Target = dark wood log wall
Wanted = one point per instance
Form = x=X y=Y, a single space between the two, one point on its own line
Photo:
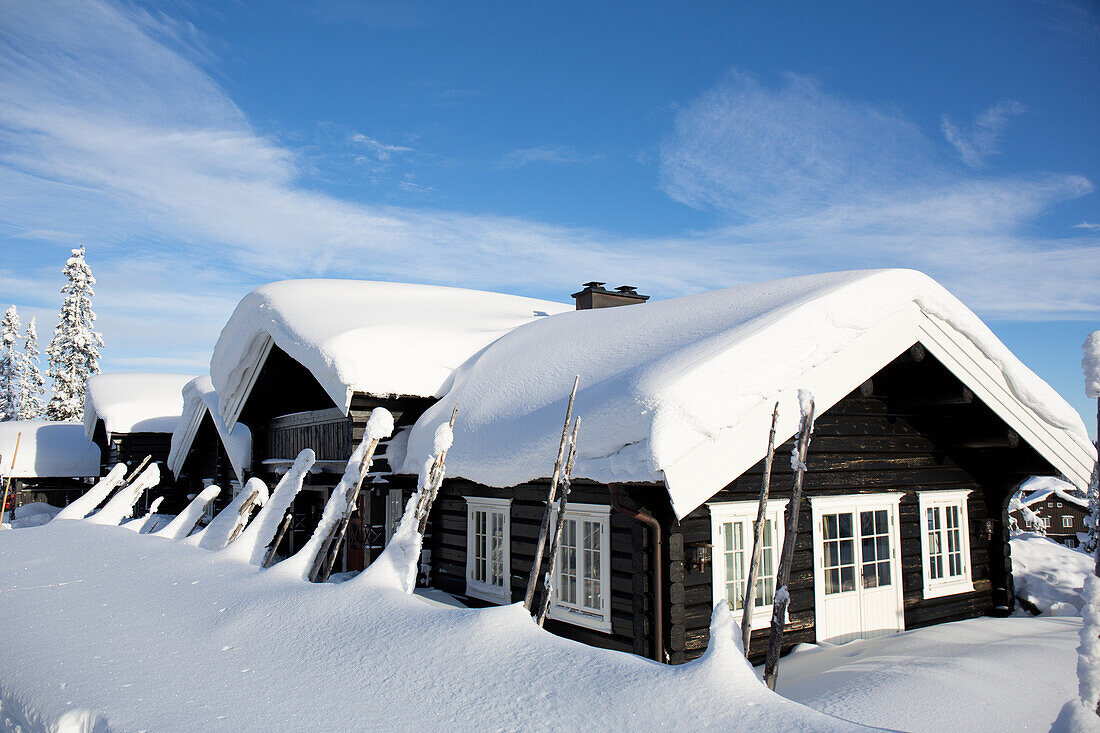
x=906 y=430
x=631 y=557
x=130 y=448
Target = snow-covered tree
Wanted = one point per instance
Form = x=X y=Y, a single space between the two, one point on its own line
x=73 y=352
x=1091 y=366
x=10 y=365
x=32 y=386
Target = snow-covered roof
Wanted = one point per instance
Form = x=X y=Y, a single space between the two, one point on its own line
x=1038 y=488
x=46 y=450
x=134 y=402
x=359 y=336
x=200 y=400
x=681 y=390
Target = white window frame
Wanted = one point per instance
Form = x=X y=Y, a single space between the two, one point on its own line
x=480 y=589
x=573 y=613
x=941 y=499
x=722 y=513
x=1067 y=522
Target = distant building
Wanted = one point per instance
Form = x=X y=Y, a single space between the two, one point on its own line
x=1054 y=504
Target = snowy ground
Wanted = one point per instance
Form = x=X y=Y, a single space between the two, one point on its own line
x=138 y=632
x=984 y=674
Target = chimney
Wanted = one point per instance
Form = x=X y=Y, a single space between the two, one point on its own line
x=594 y=295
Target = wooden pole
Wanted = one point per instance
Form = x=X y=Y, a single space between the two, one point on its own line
x=435 y=475
x=332 y=547
x=7 y=484
x=782 y=596
x=243 y=516
x=136 y=471
x=749 y=601
x=555 y=539
x=271 y=549
x=540 y=547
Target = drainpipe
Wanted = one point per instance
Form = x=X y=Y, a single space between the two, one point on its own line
x=658 y=570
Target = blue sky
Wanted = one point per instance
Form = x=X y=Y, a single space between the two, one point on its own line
x=200 y=149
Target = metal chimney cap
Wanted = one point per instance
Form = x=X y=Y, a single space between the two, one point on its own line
x=594 y=285
x=628 y=289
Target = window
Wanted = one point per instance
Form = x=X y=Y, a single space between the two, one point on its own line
x=1058 y=504
x=488 y=574
x=394 y=509
x=945 y=542
x=732 y=538
x=583 y=573
x=1067 y=522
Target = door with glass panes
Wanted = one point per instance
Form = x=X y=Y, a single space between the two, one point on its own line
x=857 y=567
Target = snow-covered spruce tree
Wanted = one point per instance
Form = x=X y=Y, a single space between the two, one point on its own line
x=10 y=365
x=1091 y=366
x=73 y=352
x=32 y=385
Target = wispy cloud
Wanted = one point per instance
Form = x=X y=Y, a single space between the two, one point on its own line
x=981 y=138
x=554 y=154
x=110 y=134
x=1087 y=226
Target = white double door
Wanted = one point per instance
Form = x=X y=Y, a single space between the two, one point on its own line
x=857 y=567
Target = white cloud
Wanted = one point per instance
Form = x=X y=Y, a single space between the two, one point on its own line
x=554 y=154
x=981 y=138
x=126 y=143
x=1087 y=226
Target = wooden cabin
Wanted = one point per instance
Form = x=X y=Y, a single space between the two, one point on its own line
x=925 y=427
x=302 y=363
x=1055 y=506
x=204 y=451
x=53 y=463
x=132 y=415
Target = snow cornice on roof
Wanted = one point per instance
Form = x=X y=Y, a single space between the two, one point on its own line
x=46 y=450
x=200 y=400
x=134 y=402
x=681 y=390
x=380 y=338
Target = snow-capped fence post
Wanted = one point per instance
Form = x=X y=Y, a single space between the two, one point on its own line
x=749 y=601
x=7 y=483
x=379 y=427
x=555 y=539
x=430 y=488
x=536 y=561
x=782 y=595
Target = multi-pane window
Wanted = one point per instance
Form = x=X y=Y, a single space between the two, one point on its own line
x=839 y=542
x=394 y=509
x=874 y=528
x=732 y=530
x=487 y=549
x=1067 y=522
x=945 y=542
x=582 y=573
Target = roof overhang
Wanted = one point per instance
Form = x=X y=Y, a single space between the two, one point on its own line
x=692 y=478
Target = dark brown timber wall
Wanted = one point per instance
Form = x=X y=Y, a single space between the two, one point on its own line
x=912 y=428
x=631 y=557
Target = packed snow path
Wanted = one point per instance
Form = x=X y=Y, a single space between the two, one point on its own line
x=137 y=632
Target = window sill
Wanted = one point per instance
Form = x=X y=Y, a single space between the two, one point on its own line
x=579 y=618
x=955 y=587
x=491 y=594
